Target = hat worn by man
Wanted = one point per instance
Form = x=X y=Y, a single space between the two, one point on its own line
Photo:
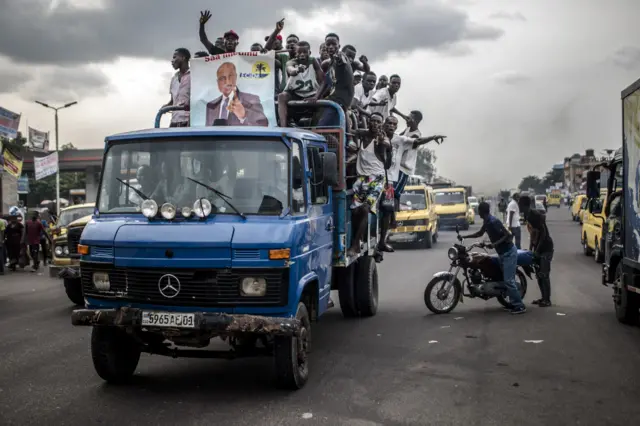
x=231 y=34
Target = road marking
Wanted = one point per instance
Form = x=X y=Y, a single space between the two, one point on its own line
x=534 y=341
x=560 y=314
x=307 y=416
x=433 y=341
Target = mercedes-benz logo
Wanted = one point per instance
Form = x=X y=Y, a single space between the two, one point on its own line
x=169 y=286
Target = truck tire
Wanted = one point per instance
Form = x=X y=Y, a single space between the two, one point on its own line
x=292 y=354
x=625 y=303
x=428 y=239
x=73 y=288
x=367 y=287
x=347 y=292
x=115 y=354
x=465 y=227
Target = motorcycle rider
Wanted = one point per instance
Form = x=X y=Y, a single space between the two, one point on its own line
x=501 y=241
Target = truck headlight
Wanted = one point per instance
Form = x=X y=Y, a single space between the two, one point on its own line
x=149 y=208
x=202 y=207
x=58 y=250
x=65 y=250
x=253 y=286
x=168 y=211
x=101 y=281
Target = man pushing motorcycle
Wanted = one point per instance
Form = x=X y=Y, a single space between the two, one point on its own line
x=501 y=241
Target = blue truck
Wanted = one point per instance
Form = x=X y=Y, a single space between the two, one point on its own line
x=238 y=233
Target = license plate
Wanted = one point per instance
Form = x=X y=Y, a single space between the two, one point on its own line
x=168 y=319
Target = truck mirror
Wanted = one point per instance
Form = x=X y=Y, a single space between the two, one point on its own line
x=593 y=184
x=329 y=168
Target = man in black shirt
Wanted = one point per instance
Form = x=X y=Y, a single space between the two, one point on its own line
x=501 y=241
x=542 y=246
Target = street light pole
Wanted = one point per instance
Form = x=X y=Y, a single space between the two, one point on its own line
x=55 y=109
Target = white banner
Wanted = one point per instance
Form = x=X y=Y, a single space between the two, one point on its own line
x=218 y=82
x=38 y=140
x=46 y=166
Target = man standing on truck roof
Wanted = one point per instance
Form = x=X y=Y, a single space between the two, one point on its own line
x=373 y=159
x=384 y=100
x=542 y=247
x=231 y=38
x=180 y=88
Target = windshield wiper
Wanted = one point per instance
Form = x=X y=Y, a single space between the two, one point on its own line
x=140 y=194
x=224 y=197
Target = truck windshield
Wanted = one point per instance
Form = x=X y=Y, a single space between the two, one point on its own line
x=472 y=200
x=413 y=200
x=253 y=173
x=449 y=198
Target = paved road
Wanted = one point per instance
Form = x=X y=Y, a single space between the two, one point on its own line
x=378 y=371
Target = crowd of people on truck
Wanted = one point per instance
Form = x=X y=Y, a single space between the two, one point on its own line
x=379 y=161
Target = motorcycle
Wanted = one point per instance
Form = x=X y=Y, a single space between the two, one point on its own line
x=482 y=274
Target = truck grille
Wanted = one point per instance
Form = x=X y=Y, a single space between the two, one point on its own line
x=198 y=287
x=73 y=239
x=450 y=216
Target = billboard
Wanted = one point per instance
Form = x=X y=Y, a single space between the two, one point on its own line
x=237 y=87
x=9 y=123
x=38 y=141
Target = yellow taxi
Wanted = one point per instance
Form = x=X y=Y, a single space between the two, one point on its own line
x=592 y=223
x=452 y=207
x=417 y=220
x=578 y=202
x=71 y=214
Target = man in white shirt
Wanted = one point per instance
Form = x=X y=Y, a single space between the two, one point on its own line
x=400 y=144
x=384 y=100
x=363 y=93
x=513 y=216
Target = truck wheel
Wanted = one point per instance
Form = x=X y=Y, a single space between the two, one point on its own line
x=347 y=292
x=428 y=239
x=367 y=287
x=292 y=354
x=598 y=256
x=625 y=302
x=465 y=227
x=115 y=354
x=73 y=288
x=585 y=246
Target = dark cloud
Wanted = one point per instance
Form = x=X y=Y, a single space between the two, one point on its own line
x=11 y=80
x=509 y=16
x=61 y=85
x=32 y=32
x=627 y=57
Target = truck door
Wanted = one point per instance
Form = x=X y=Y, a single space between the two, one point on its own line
x=320 y=222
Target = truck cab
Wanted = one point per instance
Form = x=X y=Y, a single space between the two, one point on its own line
x=237 y=233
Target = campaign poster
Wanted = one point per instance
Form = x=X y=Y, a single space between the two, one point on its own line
x=12 y=163
x=38 y=141
x=234 y=89
x=46 y=166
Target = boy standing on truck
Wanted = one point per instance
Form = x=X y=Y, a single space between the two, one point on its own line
x=180 y=88
x=373 y=159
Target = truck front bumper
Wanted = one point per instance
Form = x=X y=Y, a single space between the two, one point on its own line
x=214 y=322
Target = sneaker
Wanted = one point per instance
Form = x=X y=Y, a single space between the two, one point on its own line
x=544 y=303
x=517 y=311
x=536 y=302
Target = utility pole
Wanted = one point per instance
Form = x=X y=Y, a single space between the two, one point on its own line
x=55 y=109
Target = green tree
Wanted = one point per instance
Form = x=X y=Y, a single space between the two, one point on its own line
x=426 y=163
x=531 y=181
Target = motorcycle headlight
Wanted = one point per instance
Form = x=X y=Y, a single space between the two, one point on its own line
x=202 y=207
x=149 y=208
x=168 y=211
x=452 y=253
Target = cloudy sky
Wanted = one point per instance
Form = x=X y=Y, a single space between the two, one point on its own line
x=516 y=85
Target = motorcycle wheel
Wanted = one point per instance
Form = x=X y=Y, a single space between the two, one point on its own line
x=522 y=283
x=434 y=288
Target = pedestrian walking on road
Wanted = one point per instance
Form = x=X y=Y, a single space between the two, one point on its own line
x=513 y=219
x=34 y=231
x=542 y=246
x=502 y=208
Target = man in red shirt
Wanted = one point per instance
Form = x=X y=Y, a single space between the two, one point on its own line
x=34 y=230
